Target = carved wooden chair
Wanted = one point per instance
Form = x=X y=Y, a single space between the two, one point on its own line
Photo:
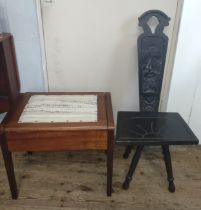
x=148 y=126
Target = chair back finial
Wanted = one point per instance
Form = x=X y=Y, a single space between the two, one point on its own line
x=152 y=49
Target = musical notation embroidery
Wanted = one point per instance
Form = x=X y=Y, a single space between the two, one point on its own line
x=60 y=108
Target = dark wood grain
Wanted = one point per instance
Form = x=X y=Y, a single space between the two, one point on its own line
x=7 y=156
x=110 y=119
x=110 y=149
x=9 y=78
x=110 y=142
x=57 y=140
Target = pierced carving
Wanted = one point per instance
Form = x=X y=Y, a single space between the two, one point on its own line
x=152 y=49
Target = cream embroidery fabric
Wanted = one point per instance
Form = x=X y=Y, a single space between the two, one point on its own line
x=60 y=108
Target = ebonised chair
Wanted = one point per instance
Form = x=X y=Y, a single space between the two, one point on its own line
x=148 y=126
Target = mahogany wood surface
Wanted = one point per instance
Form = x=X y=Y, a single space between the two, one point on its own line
x=56 y=140
x=59 y=136
x=9 y=78
x=109 y=111
x=8 y=162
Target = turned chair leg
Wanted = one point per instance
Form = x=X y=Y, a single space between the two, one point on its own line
x=7 y=156
x=133 y=166
x=168 y=164
x=127 y=152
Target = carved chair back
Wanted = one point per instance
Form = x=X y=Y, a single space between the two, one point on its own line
x=152 y=49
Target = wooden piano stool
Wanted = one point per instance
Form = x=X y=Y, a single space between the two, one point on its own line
x=59 y=136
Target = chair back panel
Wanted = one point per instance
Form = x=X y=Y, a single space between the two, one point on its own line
x=152 y=49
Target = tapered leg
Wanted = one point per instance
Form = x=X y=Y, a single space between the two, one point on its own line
x=133 y=166
x=110 y=161
x=9 y=167
x=127 y=151
x=168 y=164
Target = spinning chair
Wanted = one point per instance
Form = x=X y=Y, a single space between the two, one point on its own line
x=148 y=126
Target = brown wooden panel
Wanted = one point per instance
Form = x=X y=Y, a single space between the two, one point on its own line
x=109 y=112
x=9 y=78
x=4 y=84
x=11 y=69
x=4 y=105
x=57 y=141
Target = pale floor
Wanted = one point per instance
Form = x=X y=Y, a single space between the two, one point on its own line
x=77 y=180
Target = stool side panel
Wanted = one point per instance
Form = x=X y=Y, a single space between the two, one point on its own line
x=57 y=141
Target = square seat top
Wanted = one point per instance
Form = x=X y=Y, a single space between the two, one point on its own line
x=60 y=108
x=153 y=128
x=60 y=111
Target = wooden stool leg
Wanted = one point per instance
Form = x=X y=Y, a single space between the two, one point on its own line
x=127 y=152
x=9 y=167
x=133 y=166
x=168 y=164
x=110 y=161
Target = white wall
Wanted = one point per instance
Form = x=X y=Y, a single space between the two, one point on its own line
x=195 y=122
x=187 y=61
x=92 y=45
x=19 y=18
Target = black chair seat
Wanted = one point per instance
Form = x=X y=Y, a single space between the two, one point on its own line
x=153 y=128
